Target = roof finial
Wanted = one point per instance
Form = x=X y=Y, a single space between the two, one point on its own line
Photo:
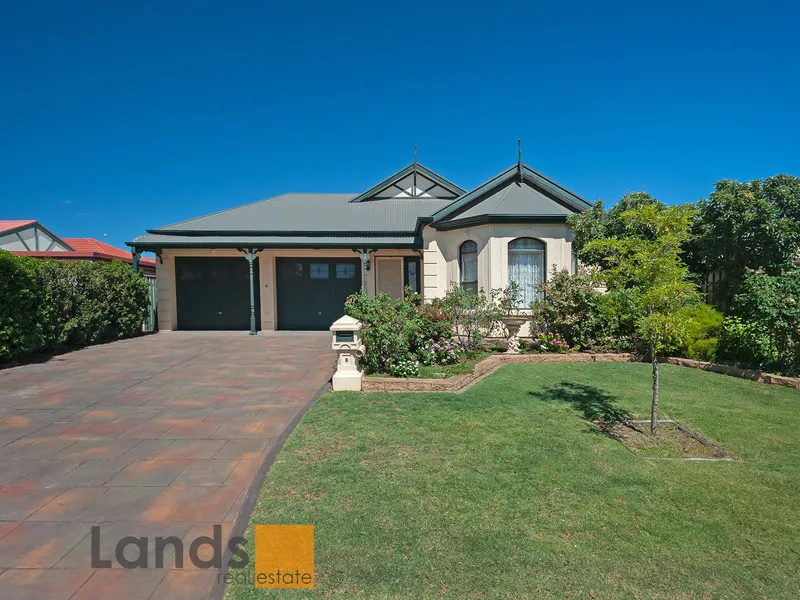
x=519 y=160
x=415 y=155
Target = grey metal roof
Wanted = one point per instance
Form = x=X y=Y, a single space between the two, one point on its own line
x=155 y=240
x=518 y=194
x=516 y=199
x=323 y=213
x=548 y=194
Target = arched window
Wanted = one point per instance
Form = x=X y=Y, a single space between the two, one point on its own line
x=526 y=267
x=468 y=264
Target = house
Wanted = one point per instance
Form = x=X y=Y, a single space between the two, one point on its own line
x=30 y=238
x=303 y=254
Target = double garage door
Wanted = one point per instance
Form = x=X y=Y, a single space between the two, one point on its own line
x=214 y=293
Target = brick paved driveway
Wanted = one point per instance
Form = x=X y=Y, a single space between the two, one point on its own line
x=155 y=436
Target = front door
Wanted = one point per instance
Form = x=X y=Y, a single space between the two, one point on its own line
x=312 y=291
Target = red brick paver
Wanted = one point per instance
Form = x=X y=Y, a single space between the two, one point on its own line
x=157 y=436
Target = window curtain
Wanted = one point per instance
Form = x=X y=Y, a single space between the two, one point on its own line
x=526 y=267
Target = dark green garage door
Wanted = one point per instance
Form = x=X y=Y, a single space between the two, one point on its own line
x=214 y=293
x=312 y=291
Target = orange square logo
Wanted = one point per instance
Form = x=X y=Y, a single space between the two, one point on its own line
x=284 y=556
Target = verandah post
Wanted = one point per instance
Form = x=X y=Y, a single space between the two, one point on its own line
x=250 y=255
x=365 y=264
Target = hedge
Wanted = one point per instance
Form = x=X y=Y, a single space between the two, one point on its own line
x=47 y=305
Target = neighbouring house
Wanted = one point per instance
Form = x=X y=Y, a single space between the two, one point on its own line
x=303 y=254
x=31 y=238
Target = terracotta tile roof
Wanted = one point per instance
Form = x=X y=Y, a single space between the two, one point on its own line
x=97 y=247
x=9 y=225
x=88 y=249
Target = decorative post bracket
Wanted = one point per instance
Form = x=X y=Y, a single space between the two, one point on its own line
x=136 y=254
x=365 y=262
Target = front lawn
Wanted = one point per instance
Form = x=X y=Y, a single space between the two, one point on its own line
x=507 y=491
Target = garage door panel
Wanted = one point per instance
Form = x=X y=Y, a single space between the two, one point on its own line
x=214 y=293
x=312 y=291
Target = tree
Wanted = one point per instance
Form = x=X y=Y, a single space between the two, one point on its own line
x=644 y=257
x=598 y=223
x=746 y=227
x=772 y=303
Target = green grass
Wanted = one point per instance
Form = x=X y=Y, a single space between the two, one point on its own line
x=442 y=371
x=506 y=491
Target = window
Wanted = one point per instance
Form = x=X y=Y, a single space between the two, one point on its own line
x=468 y=263
x=574 y=260
x=345 y=271
x=318 y=270
x=412 y=274
x=526 y=267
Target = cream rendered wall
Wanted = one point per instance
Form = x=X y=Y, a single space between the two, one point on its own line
x=441 y=267
x=165 y=276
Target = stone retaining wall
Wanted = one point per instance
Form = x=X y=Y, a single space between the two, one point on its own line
x=759 y=376
x=459 y=383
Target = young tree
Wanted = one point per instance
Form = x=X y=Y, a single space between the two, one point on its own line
x=644 y=257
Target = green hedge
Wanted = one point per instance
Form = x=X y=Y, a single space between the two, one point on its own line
x=46 y=305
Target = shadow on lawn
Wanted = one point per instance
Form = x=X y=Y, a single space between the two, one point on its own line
x=594 y=403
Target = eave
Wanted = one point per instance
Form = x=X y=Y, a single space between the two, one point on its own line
x=492 y=219
x=154 y=246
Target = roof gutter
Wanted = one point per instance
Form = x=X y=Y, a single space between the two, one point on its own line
x=153 y=246
x=492 y=219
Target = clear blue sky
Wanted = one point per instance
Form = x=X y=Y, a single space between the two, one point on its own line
x=116 y=117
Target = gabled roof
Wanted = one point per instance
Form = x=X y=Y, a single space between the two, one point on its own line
x=390 y=214
x=518 y=194
x=30 y=230
x=6 y=226
x=413 y=181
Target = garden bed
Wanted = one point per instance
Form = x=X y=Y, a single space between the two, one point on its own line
x=674 y=441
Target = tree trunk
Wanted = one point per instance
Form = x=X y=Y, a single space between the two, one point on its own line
x=654 y=408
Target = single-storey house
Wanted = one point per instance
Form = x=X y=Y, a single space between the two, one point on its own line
x=31 y=238
x=303 y=254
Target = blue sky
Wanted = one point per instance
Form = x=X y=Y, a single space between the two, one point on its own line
x=116 y=117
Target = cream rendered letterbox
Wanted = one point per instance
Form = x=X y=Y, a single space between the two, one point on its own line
x=346 y=340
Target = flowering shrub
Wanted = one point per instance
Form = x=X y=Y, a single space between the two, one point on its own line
x=404 y=368
x=398 y=332
x=573 y=307
x=471 y=315
x=549 y=342
x=445 y=352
